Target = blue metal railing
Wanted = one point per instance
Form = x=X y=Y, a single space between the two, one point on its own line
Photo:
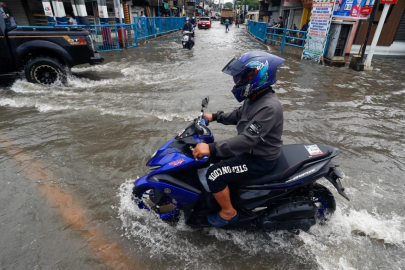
x=110 y=37
x=284 y=36
x=257 y=29
x=153 y=26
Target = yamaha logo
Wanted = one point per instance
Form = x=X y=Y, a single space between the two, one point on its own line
x=168 y=190
x=301 y=175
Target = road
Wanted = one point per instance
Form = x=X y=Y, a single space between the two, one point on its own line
x=69 y=155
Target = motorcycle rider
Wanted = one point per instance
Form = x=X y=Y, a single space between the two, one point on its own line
x=188 y=26
x=193 y=21
x=259 y=123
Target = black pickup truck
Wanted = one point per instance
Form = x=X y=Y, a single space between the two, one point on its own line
x=45 y=55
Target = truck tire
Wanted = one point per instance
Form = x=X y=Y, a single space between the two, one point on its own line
x=45 y=70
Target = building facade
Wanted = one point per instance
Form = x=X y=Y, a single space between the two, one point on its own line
x=32 y=13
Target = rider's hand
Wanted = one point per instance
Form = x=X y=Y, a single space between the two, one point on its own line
x=201 y=150
x=208 y=116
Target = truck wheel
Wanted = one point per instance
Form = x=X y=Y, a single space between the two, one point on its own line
x=45 y=70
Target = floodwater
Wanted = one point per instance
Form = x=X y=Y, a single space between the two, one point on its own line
x=69 y=156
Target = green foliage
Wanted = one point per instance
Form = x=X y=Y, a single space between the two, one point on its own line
x=252 y=4
x=228 y=5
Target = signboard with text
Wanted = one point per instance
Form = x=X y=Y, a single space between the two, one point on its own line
x=352 y=9
x=388 y=1
x=366 y=10
x=318 y=30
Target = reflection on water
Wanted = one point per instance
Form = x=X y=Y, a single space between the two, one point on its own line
x=94 y=137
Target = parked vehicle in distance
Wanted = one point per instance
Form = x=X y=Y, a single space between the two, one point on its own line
x=227 y=13
x=204 y=22
x=45 y=55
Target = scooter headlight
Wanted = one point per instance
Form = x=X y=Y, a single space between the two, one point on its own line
x=153 y=168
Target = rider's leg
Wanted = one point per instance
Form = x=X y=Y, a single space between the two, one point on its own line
x=224 y=200
x=223 y=173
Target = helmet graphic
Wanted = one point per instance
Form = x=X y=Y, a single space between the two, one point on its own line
x=187 y=18
x=252 y=72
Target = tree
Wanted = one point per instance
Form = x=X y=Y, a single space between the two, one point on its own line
x=228 y=5
x=253 y=4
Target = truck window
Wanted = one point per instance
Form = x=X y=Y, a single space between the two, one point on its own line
x=8 y=17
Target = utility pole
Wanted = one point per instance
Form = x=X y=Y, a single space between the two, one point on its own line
x=363 y=50
x=244 y=12
x=380 y=25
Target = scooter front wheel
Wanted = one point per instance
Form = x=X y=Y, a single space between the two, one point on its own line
x=154 y=200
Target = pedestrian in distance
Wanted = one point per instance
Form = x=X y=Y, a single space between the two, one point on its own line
x=280 y=24
x=227 y=25
x=236 y=22
x=72 y=20
x=259 y=123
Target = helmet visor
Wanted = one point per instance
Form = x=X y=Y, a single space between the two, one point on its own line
x=234 y=67
x=240 y=80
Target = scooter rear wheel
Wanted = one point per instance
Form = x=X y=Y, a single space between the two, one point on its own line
x=166 y=208
x=324 y=200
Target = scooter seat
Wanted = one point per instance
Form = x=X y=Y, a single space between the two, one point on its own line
x=292 y=157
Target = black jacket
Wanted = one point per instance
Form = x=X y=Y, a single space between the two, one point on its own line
x=188 y=27
x=259 y=123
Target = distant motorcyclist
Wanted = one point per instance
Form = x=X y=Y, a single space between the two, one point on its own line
x=193 y=21
x=188 y=26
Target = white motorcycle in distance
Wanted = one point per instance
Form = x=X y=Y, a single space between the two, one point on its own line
x=187 y=40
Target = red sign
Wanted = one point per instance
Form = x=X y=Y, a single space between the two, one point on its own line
x=366 y=10
x=388 y=1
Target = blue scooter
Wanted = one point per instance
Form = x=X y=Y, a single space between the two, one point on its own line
x=288 y=198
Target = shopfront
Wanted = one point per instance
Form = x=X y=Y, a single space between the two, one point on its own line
x=292 y=13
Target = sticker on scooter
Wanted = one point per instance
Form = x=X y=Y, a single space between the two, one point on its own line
x=177 y=162
x=313 y=150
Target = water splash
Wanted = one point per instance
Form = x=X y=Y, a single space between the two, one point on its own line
x=327 y=245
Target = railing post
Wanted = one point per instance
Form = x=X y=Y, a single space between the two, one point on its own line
x=154 y=27
x=161 y=26
x=136 y=33
x=283 y=41
x=116 y=37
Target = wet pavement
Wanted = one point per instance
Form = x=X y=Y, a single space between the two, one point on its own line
x=69 y=155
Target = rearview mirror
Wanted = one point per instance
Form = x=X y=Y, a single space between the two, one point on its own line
x=204 y=102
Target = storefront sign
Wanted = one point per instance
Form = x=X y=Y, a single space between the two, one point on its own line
x=318 y=30
x=366 y=10
x=47 y=9
x=388 y=1
x=352 y=9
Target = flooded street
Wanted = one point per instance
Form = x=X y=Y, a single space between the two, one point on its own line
x=69 y=156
